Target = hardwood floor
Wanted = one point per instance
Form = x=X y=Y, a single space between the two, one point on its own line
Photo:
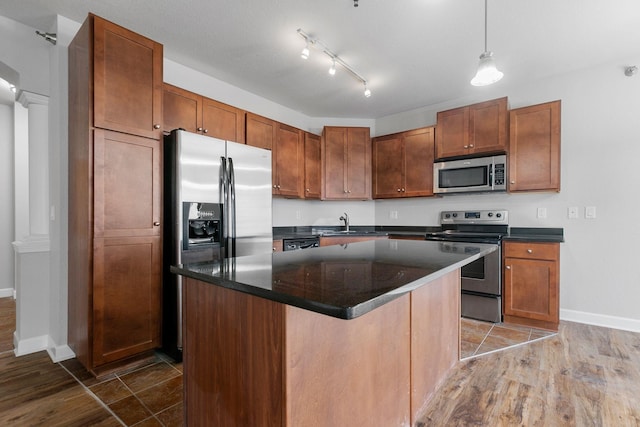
x=583 y=376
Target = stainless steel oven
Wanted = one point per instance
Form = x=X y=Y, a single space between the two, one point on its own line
x=481 y=280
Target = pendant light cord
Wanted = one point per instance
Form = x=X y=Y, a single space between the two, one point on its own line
x=485 y=25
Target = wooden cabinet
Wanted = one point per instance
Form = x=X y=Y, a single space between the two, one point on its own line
x=534 y=148
x=312 y=169
x=346 y=163
x=473 y=129
x=402 y=164
x=531 y=283
x=115 y=219
x=288 y=166
x=198 y=114
x=287 y=153
x=126 y=80
x=278 y=245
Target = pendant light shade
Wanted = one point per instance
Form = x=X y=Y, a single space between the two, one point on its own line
x=487 y=73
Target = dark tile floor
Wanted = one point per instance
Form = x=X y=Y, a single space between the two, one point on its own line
x=147 y=396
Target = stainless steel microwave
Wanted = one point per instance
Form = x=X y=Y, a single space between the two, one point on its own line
x=479 y=174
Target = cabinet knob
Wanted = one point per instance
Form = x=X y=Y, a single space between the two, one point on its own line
x=156 y=223
x=466 y=146
x=199 y=129
x=508 y=267
x=278 y=186
x=349 y=191
x=470 y=145
x=403 y=190
x=398 y=190
x=308 y=190
x=156 y=126
x=206 y=131
x=513 y=182
x=529 y=251
x=275 y=186
x=345 y=191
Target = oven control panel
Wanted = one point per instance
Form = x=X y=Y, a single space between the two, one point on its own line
x=496 y=216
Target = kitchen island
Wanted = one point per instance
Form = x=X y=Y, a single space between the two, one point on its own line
x=358 y=334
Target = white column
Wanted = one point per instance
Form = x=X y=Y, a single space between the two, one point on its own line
x=38 y=111
x=32 y=251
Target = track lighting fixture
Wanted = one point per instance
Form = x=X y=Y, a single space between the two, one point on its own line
x=487 y=72
x=332 y=69
x=305 y=51
x=50 y=37
x=335 y=59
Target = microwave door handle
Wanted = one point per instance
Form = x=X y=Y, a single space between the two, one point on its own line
x=491 y=167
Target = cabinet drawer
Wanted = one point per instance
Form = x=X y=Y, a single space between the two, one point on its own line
x=531 y=250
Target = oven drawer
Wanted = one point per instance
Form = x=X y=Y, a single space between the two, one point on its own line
x=530 y=250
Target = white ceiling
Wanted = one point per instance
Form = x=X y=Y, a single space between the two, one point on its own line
x=414 y=53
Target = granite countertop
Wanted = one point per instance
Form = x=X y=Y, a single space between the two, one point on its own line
x=343 y=281
x=535 y=234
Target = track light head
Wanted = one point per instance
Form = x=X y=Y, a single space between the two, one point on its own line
x=332 y=69
x=305 y=51
x=367 y=92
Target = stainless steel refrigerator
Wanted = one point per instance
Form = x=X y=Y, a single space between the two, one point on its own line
x=217 y=199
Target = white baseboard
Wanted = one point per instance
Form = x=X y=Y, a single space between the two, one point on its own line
x=30 y=345
x=7 y=292
x=58 y=353
x=607 y=321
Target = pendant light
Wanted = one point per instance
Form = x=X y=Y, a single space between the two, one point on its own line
x=487 y=72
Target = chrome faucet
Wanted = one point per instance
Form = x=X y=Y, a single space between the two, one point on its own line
x=345 y=218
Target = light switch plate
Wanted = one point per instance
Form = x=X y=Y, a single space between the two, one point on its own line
x=542 y=212
x=572 y=212
x=393 y=214
x=590 y=212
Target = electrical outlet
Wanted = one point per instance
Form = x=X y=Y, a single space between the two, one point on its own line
x=572 y=212
x=298 y=214
x=590 y=212
x=393 y=214
x=542 y=212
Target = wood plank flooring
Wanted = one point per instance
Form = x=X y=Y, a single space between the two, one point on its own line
x=583 y=376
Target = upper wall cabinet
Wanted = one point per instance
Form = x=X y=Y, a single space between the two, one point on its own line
x=287 y=153
x=312 y=169
x=534 y=148
x=402 y=164
x=474 y=129
x=198 y=114
x=346 y=162
x=127 y=81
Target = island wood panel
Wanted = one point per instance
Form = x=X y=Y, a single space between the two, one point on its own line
x=345 y=240
x=435 y=337
x=232 y=361
x=348 y=372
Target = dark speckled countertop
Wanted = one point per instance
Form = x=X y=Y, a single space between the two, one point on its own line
x=343 y=281
x=535 y=234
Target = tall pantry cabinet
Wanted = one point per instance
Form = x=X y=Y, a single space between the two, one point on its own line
x=115 y=158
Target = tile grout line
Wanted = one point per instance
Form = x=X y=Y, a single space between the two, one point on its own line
x=483 y=340
x=134 y=394
x=92 y=394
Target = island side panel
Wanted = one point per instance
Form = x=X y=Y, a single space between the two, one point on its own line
x=232 y=362
x=435 y=337
x=348 y=372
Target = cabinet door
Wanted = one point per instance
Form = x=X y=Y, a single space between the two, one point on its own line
x=223 y=121
x=127 y=185
x=261 y=132
x=534 y=148
x=127 y=81
x=531 y=289
x=126 y=297
x=488 y=130
x=334 y=162
x=388 y=180
x=181 y=109
x=289 y=165
x=358 y=179
x=418 y=163
x=452 y=133
x=312 y=176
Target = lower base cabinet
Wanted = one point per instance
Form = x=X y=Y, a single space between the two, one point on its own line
x=531 y=284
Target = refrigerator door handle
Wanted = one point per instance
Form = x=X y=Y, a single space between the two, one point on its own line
x=224 y=187
x=232 y=209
